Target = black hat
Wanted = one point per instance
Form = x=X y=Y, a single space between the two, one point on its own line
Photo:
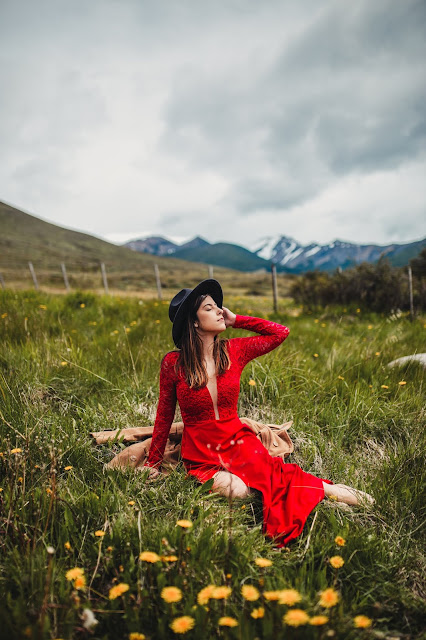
x=182 y=301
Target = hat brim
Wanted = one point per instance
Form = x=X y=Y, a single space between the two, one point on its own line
x=211 y=287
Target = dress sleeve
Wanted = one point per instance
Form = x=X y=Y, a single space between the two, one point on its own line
x=165 y=412
x=271 y=336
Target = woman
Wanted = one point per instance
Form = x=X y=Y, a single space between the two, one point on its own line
x=204 y=376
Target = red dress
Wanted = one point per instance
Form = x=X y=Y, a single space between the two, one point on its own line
x=210 y=445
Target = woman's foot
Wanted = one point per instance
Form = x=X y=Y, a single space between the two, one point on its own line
x=348 y=495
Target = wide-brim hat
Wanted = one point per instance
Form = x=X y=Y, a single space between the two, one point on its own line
x=181 y=304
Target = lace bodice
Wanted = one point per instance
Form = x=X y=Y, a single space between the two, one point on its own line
x=196 y=405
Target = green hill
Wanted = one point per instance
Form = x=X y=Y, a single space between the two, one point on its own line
x=226 y=255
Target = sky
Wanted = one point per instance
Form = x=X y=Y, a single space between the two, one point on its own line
x=229 y=119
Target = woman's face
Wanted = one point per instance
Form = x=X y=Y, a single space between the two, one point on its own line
x=210 y=317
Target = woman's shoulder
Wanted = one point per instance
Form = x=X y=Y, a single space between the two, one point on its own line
x=170 y=357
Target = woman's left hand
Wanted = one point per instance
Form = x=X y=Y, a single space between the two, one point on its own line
x=229 y=317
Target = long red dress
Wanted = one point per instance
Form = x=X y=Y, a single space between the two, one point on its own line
x=210 y=445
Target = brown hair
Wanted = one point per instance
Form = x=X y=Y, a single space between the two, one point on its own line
x=191 y=352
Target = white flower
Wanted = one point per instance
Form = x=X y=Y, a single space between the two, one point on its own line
x=89 y=619
x=50 y=550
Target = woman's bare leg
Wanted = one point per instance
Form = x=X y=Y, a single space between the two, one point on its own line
x=229 y=485
x=348 y=495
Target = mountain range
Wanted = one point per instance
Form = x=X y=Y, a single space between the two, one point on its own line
x=286 y=253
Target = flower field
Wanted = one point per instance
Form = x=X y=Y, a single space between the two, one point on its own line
x=93 y=553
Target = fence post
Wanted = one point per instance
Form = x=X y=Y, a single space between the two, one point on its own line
x=30 y=264
x=104 y=278
x=158 y=281
x=64 y=273
x=410 y=284
x=274 y=286
x=210 y=271
x=2 y=281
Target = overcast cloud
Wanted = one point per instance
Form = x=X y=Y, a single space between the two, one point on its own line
x=230 y=120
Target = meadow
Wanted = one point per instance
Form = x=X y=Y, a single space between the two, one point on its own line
x=89 y=552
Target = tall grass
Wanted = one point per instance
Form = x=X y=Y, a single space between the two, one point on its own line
x=74 y=364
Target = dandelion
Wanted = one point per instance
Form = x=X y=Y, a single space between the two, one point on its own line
x=329 y=598
x=68 y=468
x=149 y=556
x=252 y=382
x=157 y=322
x=127 y=329
x=250 y=593
x=20 y=479
x=88 y=618
x=109 y=548
x=136 y=636
x=377 y=353
x=340 y=541
x=205 y=594
x=16 y=450
x=80 y=582
x=340 y=377
x=317 y=621
x=315 y=355
x=182 y=624
x=323 y=324
x=118 y=590
x=64 y=363
x=316 y=321
x=67 y=546
x=169 y=558
x=42 y=306
x=263 y=562
x=1 y=489
x=336 y=562
x=227 y=621
x=4 y=315
x=49 y=491
x=171 y=594
x=221 y=593
x=72 y=574
x=296 y=617
x=362 y=622
x=99 y=533
x=289 y=597
x=401 y=383
x=271 y=595
x=385 y=386
x=131 y=503
x=82 y=305
x=133 y=323
x=358 y=310
x=115 y=332
x=258 y=613
x=185 y=524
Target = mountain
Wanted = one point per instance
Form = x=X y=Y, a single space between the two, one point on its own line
x=291 y=256
x=157 y=245
x=223 y=254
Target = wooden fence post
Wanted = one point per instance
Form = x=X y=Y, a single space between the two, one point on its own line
x=2 y=281
x=410 y=284
x=274 y=286
x=64 y=273
x=158 y=281
x=210 y=271
x=30 y=264
x=104 y=278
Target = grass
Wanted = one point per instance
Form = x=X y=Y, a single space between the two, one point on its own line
x=77 y=363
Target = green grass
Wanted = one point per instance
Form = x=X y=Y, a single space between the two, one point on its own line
x=68 y=369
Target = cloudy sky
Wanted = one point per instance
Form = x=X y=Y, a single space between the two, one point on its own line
x=233 y=119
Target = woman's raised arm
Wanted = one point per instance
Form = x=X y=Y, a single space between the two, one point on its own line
x=271 y=336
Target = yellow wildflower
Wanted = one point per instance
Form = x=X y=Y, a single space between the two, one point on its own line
x=205 y=594
x=252 y=383
x=258 y=613
x=49 y=491
x=340 y=541
x=127 y=330
x=114 y=333
x=340 y=377
x=362 y=622
x=316 y=321
x=42 y=306
x=329 y=598
x=296 y=617
x=20 y=479
x=169 y=558
x=271 y=595
x=131 y=503
x=136 y=636
x=182 y=624
x=133 y=323
x=401 y=384
x=358 y=310
x=317 y=621
x=263 y=562
x=377 y=353
x=249 y=592
x=1 y=489
x=185 y=524
x=289 y=597
x=118 y=590
x=72 y=574
x=227 y=621
x=171 y=594
x=323 y=324
x=68 y=468
x=67 y=546
x=80 y=582
x=16 y=450
x=109 y=548
x=385 y=386
x=336 y=562
x=149 y=556
x=221 y=593
x=99 y=533
x=82 y=305
x=64 y=363
x=370 y=326
x=157 y=322
x=4 y=315
x=315 y=355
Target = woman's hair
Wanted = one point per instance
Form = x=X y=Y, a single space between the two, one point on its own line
x=191 y=352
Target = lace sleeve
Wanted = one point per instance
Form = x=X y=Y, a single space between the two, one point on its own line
x=272 y=335
x=165 y=411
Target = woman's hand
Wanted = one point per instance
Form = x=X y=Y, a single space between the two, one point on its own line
x=153 y=472
x=229 y=317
